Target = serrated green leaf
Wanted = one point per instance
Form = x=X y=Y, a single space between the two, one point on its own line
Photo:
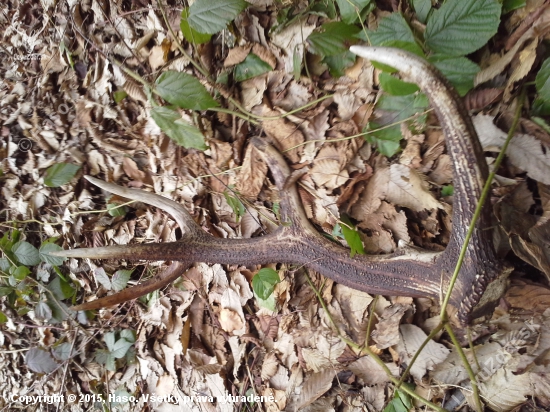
x=390 y=29
x=251 y=67
x=541 y=107
x=235 y=203
x=332 y=38
x=191 y=34
x=542 y=81
x=339 y=63
x=120 y=348
x=422 y=8
x=263 y=283
x=212 y=16
x=26 y=253
x=395 y=86
x=116 y=210
x=511 y=5
x=460 y=71
x=386 y=140
x=20 y=272
x=5 y=264
x=352 y=237
x=44 y=251
x=461 y=27
x=184 y=91
x=102 y=278
x=351 y=10
x=61 y=289
x=59 y=174
x=324 y=8
x=120 y=279
x=177 y=129
x=128 y=334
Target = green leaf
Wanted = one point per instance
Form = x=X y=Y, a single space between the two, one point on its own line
x=120 y=348
x=44 y=251
x=189 y=33
x=128 y=334
x=422 y=9
x=61 y=289
x=251 y=67
x=332 y=38
x=26 y=253
x=43 y=311
x=339 y=63
x=460 y=71
x=119 y=96
x=447 y=190
x=352 y=237
x=5 y=290
x=212 y=16
x=395 y=86
x=20 y=272
x=350 y=10
x=386 y=140
x=542 y=81
x=102 y=278
x=5 y=264
x=324 y=8
x=390 y=29
x=264 y=282
x=177 y=129
x=104 y=357
x=59 y=174
x=235 y=203
x=3 y=317
x=511 y=5
x=116 y=210
x=120 y=279
x=40 y=361
x=184 y=91
x=461 y=27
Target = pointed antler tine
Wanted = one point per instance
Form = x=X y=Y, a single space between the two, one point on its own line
x=170 y=274
x=176 y=210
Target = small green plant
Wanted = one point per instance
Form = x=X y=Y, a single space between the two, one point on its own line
x=234 y=202
x=24 y=293
x=263 y=284
x=59 y=174
x=349 y=233
x=117 y=348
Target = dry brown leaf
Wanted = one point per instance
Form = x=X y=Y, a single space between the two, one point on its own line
x=525 y=151
x=505 y=390
x=270 y=365
x=315 y=386
x=478 y=99
x=286 y=135
x=236 y=55
x=265 y=54
x=252 y=174
x=526 y=60
x=372 y=373
x=386 y=333
x=432 y=354
x=407 y=188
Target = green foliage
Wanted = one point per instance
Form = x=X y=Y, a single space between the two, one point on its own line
x=116 y=349
x=332 y=39
x=59 y=174
x=184 y=90
x=401 y=402
x=251 y=67
x=116 y=210
x=422 y=8
x=183 y=133
x=22 y=294
x=460 y=71
x=447 y=190
x=386 y=133
x=351 y=10
x=263 y=283
x=212 y=16
x=119 y=96
x=511 y=5
x=541 y=105
x=390 y=29
x=461 y=27
x=191 y=34
x=348 y=232
x=235 y=203
x=118 y=281
x=395 y=86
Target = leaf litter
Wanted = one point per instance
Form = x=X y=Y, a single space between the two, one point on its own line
x=208 y=334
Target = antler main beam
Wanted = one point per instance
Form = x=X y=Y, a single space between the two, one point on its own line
x=406 y=272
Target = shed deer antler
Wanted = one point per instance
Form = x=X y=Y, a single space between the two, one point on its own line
x=407 y=272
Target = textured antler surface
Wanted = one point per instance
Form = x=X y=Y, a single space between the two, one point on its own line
x=407 y=272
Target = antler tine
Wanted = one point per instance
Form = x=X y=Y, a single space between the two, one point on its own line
x=174 y=209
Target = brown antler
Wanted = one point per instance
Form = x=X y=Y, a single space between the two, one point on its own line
x=407 y=272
